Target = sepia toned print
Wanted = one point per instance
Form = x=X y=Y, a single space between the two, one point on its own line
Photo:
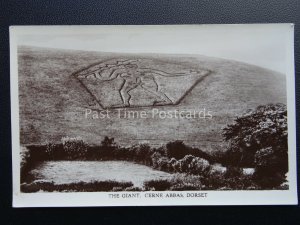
x=177 y=125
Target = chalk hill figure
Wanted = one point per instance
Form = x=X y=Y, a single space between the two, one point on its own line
x=121 y=83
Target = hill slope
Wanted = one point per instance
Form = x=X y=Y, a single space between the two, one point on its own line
x=53 y=101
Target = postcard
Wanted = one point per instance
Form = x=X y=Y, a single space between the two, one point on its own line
x=153 y=115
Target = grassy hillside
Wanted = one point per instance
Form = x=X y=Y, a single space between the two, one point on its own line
x=53 y=102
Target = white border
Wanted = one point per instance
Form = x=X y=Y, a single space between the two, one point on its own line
x=278 y=197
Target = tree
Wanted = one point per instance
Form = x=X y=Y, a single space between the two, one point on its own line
x=108 y=148
x=176 y=149
x=143 y=153
x=108 y=142
x=259 y=139
x=74 y=147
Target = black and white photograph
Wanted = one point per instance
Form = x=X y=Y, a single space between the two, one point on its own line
x=153 y=115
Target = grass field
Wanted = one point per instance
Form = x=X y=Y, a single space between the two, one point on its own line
x=53 y=102
x=66 y=172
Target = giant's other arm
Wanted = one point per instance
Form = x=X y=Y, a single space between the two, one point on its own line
x=109 y=74
x=162 y=73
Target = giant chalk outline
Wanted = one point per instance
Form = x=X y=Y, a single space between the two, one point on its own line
x=133 y=77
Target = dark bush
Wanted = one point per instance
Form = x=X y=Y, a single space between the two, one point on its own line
x=259 y=139
x=96 y=186
x=31 y=156
x=176 y=149
x=157 y=185
x=108 y=142
x=74 y=148
x=184 y=187
x=233 y=172
x=185 y=182
x=55 y=151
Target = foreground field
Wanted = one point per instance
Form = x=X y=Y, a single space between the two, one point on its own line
x=66 y=172
x=265 y=152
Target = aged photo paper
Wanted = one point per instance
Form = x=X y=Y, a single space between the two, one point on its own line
x=153 y=115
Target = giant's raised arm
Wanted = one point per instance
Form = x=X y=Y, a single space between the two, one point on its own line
x=162 y=73
x=109 y=74
x=167 y=74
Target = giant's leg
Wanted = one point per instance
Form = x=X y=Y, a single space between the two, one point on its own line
x=150 y=85
x=124 y=92
x=126 y=87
